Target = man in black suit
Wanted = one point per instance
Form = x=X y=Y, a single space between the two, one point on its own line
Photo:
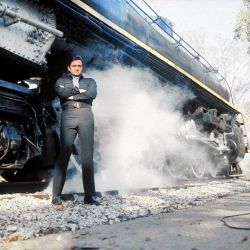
x=76 y=95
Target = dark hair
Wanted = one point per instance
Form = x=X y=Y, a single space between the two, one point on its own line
x=73 y=58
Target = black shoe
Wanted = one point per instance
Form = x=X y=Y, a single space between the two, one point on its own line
x=57 y=200
x=91 y=200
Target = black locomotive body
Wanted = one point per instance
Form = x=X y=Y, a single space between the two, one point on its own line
x=36 y=37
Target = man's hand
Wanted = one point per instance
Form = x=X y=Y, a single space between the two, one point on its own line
x=82 y=90
x=72 y=98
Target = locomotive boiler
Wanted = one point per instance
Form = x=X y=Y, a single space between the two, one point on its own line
x=38 y=35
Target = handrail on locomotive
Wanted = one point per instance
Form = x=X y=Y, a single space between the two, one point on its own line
x=179 y=41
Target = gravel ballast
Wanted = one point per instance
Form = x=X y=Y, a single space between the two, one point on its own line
x=25 y=216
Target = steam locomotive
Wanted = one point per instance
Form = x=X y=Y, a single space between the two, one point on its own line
x=38 y=35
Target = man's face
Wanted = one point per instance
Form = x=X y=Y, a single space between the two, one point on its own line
x=75 y=68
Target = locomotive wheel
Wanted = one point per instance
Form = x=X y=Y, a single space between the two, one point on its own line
x=197 y=169
x=216 y=166
x=175 y=167
x=213 y=169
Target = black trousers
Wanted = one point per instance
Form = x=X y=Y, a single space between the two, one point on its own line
x=73 y=121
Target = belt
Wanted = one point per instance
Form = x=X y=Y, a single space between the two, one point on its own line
x=75 y=104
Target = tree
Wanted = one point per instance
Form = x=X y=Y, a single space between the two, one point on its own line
x=242 y=29
x=230 y=57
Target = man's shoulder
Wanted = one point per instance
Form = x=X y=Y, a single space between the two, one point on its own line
x=64 y=77
x=88 y=80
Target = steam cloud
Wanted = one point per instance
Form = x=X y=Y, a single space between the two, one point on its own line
x=139 y=122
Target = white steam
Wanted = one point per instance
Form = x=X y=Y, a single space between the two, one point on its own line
x=138 y=122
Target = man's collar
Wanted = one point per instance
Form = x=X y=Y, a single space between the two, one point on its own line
x=80 y=76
